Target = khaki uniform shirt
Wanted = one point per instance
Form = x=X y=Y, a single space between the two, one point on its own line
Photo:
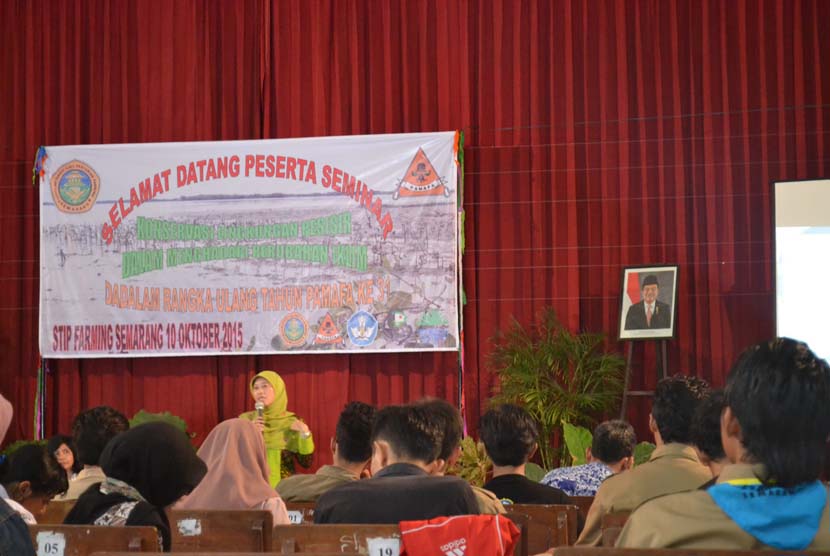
x=308 y=488
x=672 y=468
x=692 y=520
x=85 y=479
x=488 y=503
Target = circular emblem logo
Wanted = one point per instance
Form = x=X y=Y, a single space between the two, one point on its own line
x=294 y=329
x=362 y=328
x=75 y=187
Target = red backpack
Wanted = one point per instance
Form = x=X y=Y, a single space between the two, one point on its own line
x=461 y=535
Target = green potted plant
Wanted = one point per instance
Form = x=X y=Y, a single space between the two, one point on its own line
x=144 y=416
x=556 y=375
x=473 y=465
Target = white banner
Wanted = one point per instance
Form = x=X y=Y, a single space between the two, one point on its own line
x=277 y=246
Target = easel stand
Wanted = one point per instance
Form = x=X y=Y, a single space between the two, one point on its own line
x=662 y=372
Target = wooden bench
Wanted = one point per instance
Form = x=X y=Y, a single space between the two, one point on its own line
x=549 y=525
x=520 y=521
x=612 y=525
x=220 y=530
x=300 y=512
x=594 y=551
x=583 y=503
x=55 y=512
x=315 y=539
x=236 y=554
x=83 y=540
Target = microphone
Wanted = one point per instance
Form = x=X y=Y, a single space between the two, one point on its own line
x=260 y=407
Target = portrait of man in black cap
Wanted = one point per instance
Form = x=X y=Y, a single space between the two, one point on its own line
x=648 y=313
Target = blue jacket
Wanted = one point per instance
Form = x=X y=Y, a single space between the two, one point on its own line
x=14 y=535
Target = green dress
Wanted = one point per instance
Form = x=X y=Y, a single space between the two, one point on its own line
x=278 y=435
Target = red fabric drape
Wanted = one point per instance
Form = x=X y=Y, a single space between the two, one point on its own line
x=598 y=135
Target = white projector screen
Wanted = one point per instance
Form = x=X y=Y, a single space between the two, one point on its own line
x=802 y=262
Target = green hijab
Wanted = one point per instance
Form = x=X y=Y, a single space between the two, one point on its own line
x=278 y=419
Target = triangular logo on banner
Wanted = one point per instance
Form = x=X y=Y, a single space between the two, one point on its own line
x=421 y=179
x=328 y=333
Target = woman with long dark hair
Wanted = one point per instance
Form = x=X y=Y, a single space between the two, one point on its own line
x=63 y=449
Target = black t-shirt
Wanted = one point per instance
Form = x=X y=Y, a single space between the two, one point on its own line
x=399 y=492
x=521 y=490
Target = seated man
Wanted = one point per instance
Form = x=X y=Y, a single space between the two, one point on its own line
x=706 y=434
x=488 y=503
x=351 y=450
x=510 y=438
x=31 y=477
x=611 y=451
x=774 y=429
x=673 y=466
x=14 y=535
x=405 y=442
x=92 y=430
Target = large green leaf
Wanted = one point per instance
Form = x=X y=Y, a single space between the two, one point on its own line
x=534 y=472
x=642 y=452
x=577 y=441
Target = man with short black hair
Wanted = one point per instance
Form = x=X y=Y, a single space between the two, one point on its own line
x=406 y=441
x=672 y=467
x=611 y=451
x=774 y=428
x=510 y=438
x=706 y=433
x=92 y=430
x=351 y=450
x=450 y=419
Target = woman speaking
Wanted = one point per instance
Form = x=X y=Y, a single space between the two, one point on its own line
x=282 y=430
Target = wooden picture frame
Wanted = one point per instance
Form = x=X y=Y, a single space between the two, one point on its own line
x=641 y=319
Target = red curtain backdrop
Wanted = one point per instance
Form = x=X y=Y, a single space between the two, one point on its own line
x=598 y=135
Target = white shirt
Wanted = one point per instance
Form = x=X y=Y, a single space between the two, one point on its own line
x=18 y=507
x=87 y=477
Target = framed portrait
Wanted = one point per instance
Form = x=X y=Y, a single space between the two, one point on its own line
x=648 y=302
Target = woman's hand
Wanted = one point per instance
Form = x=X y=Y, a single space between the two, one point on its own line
x=300 y=427
x=260 y=424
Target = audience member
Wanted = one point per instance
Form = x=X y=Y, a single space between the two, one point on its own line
x=450 y=420
x=774 y=428
x=287 y=438
x=237 y=473
x=14 y=535
x=29 y=479
x=611 y=452
x=706 y=433
x=92 y=430
x=147 y=468
x=673 y=466
x=63 y=449
x=351 y=450
x=510 y=438
x=405 y=440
